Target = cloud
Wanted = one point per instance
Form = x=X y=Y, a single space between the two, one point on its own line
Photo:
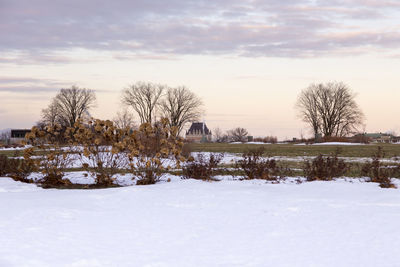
x=9 y=80
x=129 y=56
x=157 y=29
x=23 y=85
x=19 y=80
x=27 y=89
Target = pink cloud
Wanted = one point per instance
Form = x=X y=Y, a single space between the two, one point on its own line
x=153 y=29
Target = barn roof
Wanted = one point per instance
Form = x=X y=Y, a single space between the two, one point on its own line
x=199 y=127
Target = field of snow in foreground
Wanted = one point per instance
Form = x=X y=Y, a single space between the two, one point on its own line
x=194 y=223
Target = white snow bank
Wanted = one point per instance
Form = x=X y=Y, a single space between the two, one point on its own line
x=194 y=223
x=8 y=185
x=14 y=148
x=250 y=143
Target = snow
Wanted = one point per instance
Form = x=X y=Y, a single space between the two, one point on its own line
x=195 y=223
x=14 y=148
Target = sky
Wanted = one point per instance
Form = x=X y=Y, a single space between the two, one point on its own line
x=246 y=59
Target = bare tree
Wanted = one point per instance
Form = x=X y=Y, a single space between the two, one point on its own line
x=239 y=134
x=144 y=98
x=308 y=108
x=330 y=108
x=181 y=106
x=124 y=119
x=5 y=136
x=51 y=115
x=218 y=135
x=69 y=105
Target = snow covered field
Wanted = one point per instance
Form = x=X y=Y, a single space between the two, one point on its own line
x=194 y=223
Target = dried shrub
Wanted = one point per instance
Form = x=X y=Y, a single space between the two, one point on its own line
x=4 y=165
x=18 y=169
x=55 y=159
x=153 y=149
x=255 y=166
x=377 y=172
x=325 y=168
x=203 y=168
x=103 y=149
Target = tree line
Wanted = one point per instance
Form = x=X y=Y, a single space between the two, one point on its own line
x=329 y=109
x=179 y=105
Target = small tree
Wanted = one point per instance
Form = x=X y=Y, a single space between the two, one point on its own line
x=124 y=119
x=51 y=115
x=5 y=136
x=219 y=136
x=239 y=134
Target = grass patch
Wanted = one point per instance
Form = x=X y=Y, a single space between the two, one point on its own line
x=291 y=150
x=12 y=153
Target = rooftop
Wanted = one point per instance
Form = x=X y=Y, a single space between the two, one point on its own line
x=198 y=128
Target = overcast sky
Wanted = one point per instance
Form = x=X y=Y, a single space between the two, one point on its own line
x=247 y=59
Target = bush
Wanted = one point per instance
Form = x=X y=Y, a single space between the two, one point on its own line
x=256 y=167
x=325 y=168
x=4 y=165
x=203 y=168
x=104 y=148
x=377 y=172
x=152 y=150
x=55 y=159
x=18 y=169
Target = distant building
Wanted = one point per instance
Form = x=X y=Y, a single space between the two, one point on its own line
x=378 y=137
x=198 y=133
x=18 y=135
